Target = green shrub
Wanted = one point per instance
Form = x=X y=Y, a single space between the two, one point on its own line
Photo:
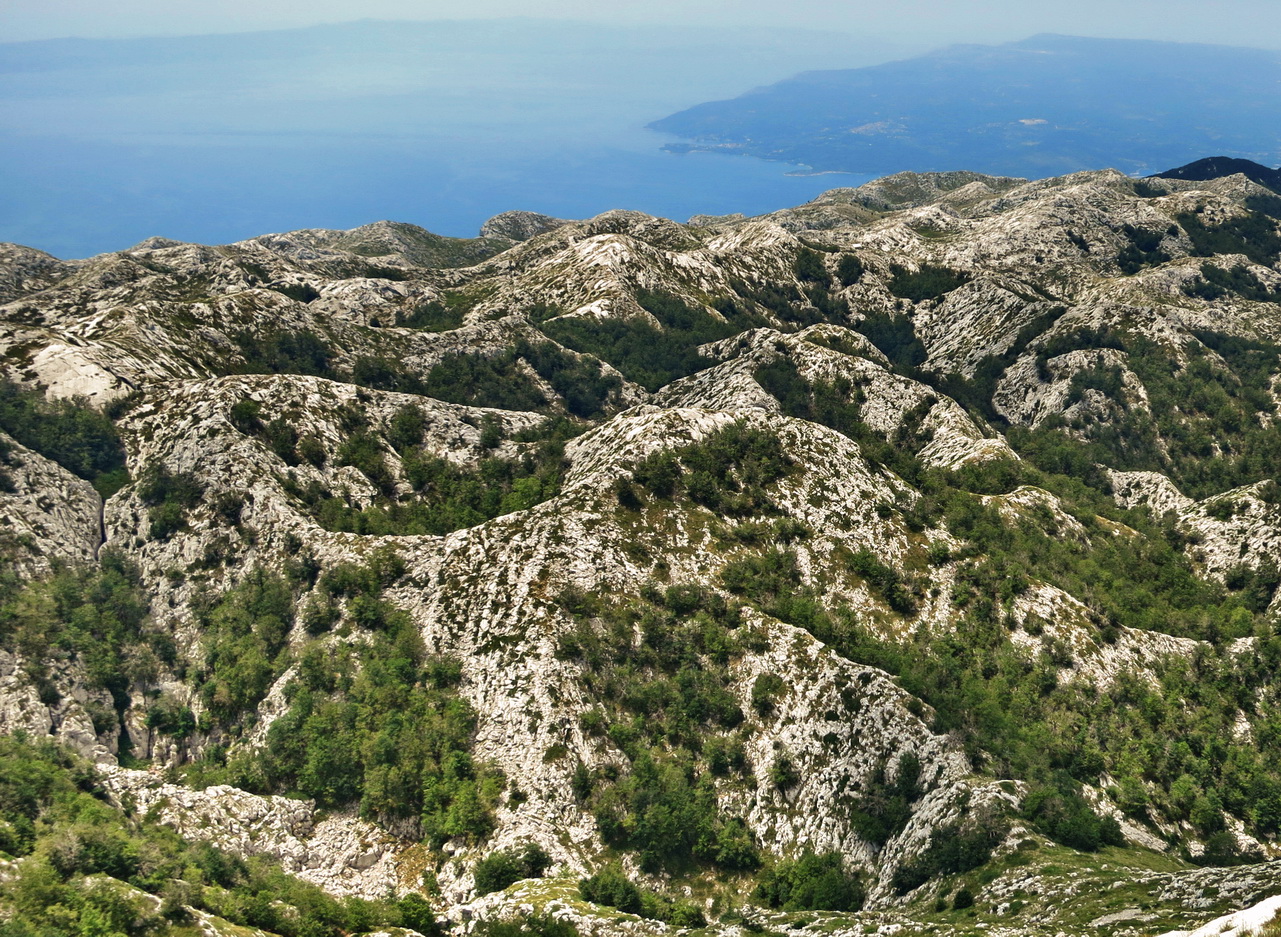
x=168 y=496
x=728 y=472
x=849 y=270
x=279 y=352
x=313 y=451
x=811 y=883
x=440 y=315
x=484 y=381
x=1143 y=249
x=660 y=666
x=1201 y=427
x=97 y=616
x=502 y=380
x=765 y=689
x=929 y=281
x=299 y=292
x=670 y=819
x=884 y=581
x=895 y=336
x=647 y=355
x=502 y=868
x=246 y=415
x=245 y=644
x=952 y=851
x=69 y=432
x=783 y=774
x=1216 y=282
x=579 y=380
x=886 y=806
x=528 y=926
x=446 y=496
x=612 y=888
x=809 y=267
x=770 y=298
x=1254 y=234
x=1059 y=811
x=378 y=722
x=383 y=373
x=363 y=451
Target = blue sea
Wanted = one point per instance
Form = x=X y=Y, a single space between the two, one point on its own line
x=215 y=139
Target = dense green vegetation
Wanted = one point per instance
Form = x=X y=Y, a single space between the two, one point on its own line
x=1013 y=709
x=894 y=335
x=279 y=433
x=647 y=355
x=382 y=372
x=539 y=925
x=811 y=883
x=445 y=496
x=928 y=281
x=886 y=803
x=849 y=269
x=727 y=473
x=439 y=315
x=484 y=381
x=377 y=722
x=1202 y=426
x=168 y=497
x=1253 y=234
x=674 y=717
x=94 y=616
x=245 y=645
x=505 y=867
x=611 y=887
x=80 y=439
x=280 y=352
x=663 y=664
x=1215 y=283
x=954 y=849
x=754 y=304
x=809 y=267
x=53 y=812
x=584 y=387
x=500 y=381
x=838 y=404
x=1143 y=249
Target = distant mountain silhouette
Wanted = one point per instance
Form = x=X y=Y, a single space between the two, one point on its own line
x=1215 y=167
x=1044 y=106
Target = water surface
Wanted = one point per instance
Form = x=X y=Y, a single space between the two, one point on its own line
x=443 y=125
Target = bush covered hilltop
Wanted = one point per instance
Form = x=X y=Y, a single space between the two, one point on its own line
x=906 y=561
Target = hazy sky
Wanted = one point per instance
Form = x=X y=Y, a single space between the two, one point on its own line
x=1239 y=22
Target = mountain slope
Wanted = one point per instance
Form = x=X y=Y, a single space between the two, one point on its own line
x=920 y=540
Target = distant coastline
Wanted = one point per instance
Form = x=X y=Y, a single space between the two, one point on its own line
x=800 y=173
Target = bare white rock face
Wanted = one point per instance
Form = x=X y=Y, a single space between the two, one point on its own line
x=47 y=515
x=341 y=854
x=1240 y=924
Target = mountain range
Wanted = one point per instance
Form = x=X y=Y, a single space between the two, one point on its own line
x=905 y=561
